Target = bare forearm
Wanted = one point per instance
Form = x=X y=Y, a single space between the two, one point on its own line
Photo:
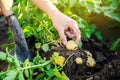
x=66 y=26
x=46 y=6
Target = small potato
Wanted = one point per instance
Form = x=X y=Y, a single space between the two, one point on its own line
x=59 y=60
x=71 y=45
x=79 y=60
x=90 y=62
x=89 y=54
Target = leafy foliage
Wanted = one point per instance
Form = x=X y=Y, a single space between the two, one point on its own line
x=83 y=8
x=24 y=70
x=36 y=23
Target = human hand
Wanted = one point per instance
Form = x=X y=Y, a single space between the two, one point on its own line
x=5 y=7
x=66 y=27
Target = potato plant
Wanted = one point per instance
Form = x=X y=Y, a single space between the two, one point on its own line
x=37 y=24
x=27 y=70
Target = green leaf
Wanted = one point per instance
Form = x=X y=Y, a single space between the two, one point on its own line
x=26 y=63
x=3 y=56
x=50 y=73
x=45 y=47
x=31 y=74
x=21 y=76
x=10 y=60
x=48 y=67
x=59 y=75
x=56 y=72
x=28 y=31
x=11 y=75
x=26 y=72
x=17 y=63
x=74 y=39
x=99 y=36
x=56 y=54
x=72 y=2
x=90 y=6
x=37 y=45
x=115 y=44
x=80 y=44
x=40 y=76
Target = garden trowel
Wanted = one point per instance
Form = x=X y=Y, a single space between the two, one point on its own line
x=21 y=49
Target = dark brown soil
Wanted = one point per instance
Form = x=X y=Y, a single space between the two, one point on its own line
x=107 y=63
x=3 y=39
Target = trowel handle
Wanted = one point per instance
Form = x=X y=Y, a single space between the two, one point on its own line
x=17 y=31
x=21 y=45
x=21 y=49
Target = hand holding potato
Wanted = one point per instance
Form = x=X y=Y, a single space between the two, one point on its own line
x=71 y=45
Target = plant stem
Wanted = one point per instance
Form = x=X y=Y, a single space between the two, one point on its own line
x=35 y=66
x=66 y=61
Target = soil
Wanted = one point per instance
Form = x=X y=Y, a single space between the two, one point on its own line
x=107 y=63
x=3 y=39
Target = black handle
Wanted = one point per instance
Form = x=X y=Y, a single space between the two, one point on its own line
x=21 y=50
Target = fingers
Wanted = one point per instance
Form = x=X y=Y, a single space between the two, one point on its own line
x=69 y=34
x=62 y=36
x=76 y=31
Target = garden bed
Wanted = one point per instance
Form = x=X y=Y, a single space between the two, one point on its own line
x=107 y=63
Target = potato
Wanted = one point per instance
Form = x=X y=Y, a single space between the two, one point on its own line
x=79 y=60
x=90 y=62
x=89 y=54
x=59 y=60
x=71 y=45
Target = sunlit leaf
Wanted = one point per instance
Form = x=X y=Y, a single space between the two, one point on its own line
x=45 y=47
x=3 y=56
x=11 y=75
x=37 y=45
x=21 y=76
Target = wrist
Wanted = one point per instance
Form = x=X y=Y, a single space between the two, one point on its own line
x=53 y=14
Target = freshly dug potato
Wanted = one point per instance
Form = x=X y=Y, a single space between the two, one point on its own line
x=90 y=62
x=71 y=45
x=89 y=54
x=59 y=60
x=79 y=60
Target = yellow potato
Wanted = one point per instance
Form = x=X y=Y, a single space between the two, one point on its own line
x=59 y=60
x=79 y=60
x=89 y=54
x=90 y=62
x=71 y=45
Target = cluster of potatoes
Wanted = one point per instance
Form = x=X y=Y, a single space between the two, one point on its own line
x=71 y=45
x=90 y=60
